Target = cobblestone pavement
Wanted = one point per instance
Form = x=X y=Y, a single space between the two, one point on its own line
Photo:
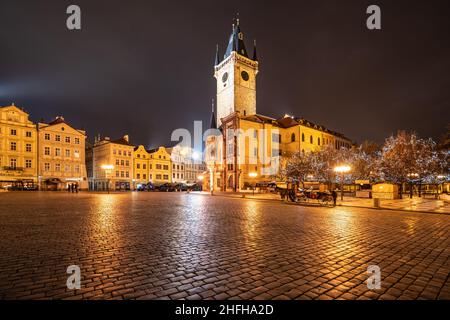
x=191 y=246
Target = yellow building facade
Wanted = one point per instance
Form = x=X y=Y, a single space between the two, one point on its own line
x=151 y=166
x=61 y=155
x=248 y=147
x=112 y=164
x=160 y=166
x=18 y=149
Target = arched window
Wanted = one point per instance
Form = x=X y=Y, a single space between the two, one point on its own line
x=303 y=137
x=318 y=141
x=293 y=137
x=311 y=139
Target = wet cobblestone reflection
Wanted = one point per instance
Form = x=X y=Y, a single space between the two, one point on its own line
x=189 y=246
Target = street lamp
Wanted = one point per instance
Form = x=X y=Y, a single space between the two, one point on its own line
x=108 y=169
x=253 y=175
x=342 y=170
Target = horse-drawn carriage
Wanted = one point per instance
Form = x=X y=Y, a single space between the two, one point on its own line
x=290 y=192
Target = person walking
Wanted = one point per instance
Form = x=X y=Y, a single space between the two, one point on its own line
x=334 y=195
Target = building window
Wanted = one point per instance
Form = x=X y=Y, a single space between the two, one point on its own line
x=117 y=174
x=122 y=162
x=138 y=155
x=303 y=137
x=178 y=176
x=144 y=176
x=57 y=152
x=67 y=153
x=165 y=167
x=57 y=137
x=293 y=137
x=138 y=166
x=276 y=137
x=311 y=139
x=13 y=132
x=77 y=140
x=13 y=146
x=166 y=177
x=144 y=166
x=173 y=175
x=27 y=163
x=76 y=153
x=47 y=136
x=122 y=174
x=120 y=152
x=117 y=162
x=127 y=163
x=47 y=151
x=47 y=166
x=77 y=168
x=67 y=168
x=28 y=134
x=318 y=141
x=158 y=177
x=129 y=153
x=158 y=166
x=138 y=176
x=57 y=167
x=67 y=139
x=28 y=147
x=13 y=163
x=114 y=151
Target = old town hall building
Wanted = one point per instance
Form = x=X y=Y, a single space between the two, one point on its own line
x=249 y=147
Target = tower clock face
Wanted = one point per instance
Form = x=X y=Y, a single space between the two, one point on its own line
x=245 y=75
x=225 y=77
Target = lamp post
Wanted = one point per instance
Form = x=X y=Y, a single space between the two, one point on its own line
x=342 y=169
x=411 y=176
x=107 y=168
x=253 y=175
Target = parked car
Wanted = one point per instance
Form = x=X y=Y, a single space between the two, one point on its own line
x=146 y=187
x=181 y=187
x=166 y=187
x=194 y=187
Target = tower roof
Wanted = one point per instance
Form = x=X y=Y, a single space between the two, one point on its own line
x=236 y=42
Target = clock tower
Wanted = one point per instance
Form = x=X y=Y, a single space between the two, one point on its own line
x=236 y=78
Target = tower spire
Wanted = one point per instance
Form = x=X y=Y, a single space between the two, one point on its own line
x=236 y=41
x=213 y=124
x=255 y=56
x=217 y=60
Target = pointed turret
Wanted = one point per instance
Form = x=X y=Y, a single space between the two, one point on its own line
x=217 y=60
x=213 y=124
x=255 y=56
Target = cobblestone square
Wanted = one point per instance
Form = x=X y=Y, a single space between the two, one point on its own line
x=192 y=246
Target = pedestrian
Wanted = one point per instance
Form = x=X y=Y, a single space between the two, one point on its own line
x=68 y=187
x=334 y=195
x=76 y=187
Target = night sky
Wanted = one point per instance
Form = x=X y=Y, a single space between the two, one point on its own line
x=146 y=67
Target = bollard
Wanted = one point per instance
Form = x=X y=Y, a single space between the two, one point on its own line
x=376 y=202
